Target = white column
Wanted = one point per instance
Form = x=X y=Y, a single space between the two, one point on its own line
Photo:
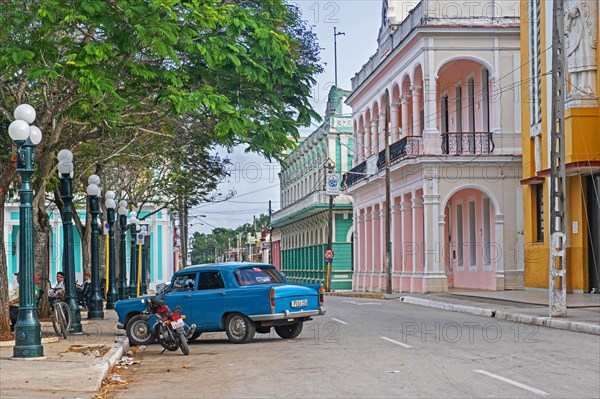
x=431 y=206
x=375 y=136
x=368 y=253
x=396 y=238
x=406 y=121
x=416 y=114
x=499 y=240
x=381 y=130
x=415 y=203
x=359 y=149
x=394 y=122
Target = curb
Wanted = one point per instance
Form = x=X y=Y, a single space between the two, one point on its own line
x=587 y=328
x=107 y=362
x=356 y=295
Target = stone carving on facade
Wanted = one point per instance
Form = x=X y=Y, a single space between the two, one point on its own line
x=581 y=28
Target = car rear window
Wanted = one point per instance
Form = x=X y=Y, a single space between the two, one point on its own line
x=257 y=275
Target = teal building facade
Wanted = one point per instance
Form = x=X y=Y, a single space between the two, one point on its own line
x=161 y=245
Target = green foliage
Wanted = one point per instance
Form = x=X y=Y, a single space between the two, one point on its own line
x=142 y=91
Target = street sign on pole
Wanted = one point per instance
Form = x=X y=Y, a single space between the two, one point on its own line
x=139 y=238
x=328 y=254
x=333 y=184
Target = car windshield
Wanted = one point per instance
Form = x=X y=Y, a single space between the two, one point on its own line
x=257 y=275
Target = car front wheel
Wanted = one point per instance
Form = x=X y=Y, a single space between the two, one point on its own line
x=290 y=330
x=138 y=331
x=239 y=328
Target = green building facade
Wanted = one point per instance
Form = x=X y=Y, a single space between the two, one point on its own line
x=300 y=228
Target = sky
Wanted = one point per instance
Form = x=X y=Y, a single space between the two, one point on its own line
x=254 y=179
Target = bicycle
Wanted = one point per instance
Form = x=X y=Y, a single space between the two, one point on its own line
x=61 y=315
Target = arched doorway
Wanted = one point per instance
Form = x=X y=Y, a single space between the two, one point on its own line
x=471 y=251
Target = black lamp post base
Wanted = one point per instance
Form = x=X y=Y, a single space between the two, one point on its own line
x=123 y=293
x=111 y=300
x=28 y=338
x=95 y=310
x=95 y=314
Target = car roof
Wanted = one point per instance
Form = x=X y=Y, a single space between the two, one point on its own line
x=224 y=265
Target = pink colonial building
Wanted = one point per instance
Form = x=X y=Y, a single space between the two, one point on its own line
x=446 y=78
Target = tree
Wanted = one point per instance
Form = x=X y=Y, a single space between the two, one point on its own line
x=166 y=79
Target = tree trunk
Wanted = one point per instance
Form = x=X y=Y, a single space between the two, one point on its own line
x=41 y=228
x=5 y=180
x=45 y=163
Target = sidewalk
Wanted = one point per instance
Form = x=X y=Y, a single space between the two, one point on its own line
x=530 y=307
x=72 y=368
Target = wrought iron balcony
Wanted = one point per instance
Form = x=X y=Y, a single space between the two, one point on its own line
x=409 y=145
x=467 y=143
x=354 y=175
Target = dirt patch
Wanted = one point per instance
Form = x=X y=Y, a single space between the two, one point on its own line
x=89 y=350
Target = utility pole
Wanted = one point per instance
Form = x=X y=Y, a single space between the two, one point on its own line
x=271 y=236
x=558 y=237
x=388 y=205
x=332 y=185
x=335 y=35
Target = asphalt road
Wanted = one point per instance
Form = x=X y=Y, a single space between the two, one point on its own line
x=366 y=348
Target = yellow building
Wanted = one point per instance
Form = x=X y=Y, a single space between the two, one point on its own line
x=582 y=144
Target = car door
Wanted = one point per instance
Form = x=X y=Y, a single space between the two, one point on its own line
x=208 y=302
x=180 y=293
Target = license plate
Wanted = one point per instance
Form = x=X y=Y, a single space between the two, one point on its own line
x=177 y=323
x=299 y=303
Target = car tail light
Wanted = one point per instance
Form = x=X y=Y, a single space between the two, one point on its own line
x=321 y=294
x=272 y=298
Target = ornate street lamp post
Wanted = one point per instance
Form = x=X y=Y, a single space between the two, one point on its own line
x=145 y=261
x=122 y=211
x=65 y=171
x=28 y=334
x=111 y=296
x=133 y=258
x=95 y=302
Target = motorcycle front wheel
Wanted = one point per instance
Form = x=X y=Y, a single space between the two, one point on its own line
x=183 y=344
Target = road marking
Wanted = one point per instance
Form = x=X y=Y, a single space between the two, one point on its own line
x=339 y=321
x=396 y=342
x=362 y=303
x=515 y=383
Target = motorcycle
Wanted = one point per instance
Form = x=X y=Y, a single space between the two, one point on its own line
x=170 y=329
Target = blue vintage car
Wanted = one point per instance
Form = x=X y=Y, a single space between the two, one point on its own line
x=238 y=298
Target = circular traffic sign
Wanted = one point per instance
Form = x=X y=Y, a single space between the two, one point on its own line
x=328 y=254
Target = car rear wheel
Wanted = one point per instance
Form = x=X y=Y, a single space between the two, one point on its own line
x=138 y=331
x=239 y=328
x=290 y=330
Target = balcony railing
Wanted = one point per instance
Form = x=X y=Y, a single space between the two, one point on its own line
x=467 y=143
x=409 y=145
x=354 y=175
